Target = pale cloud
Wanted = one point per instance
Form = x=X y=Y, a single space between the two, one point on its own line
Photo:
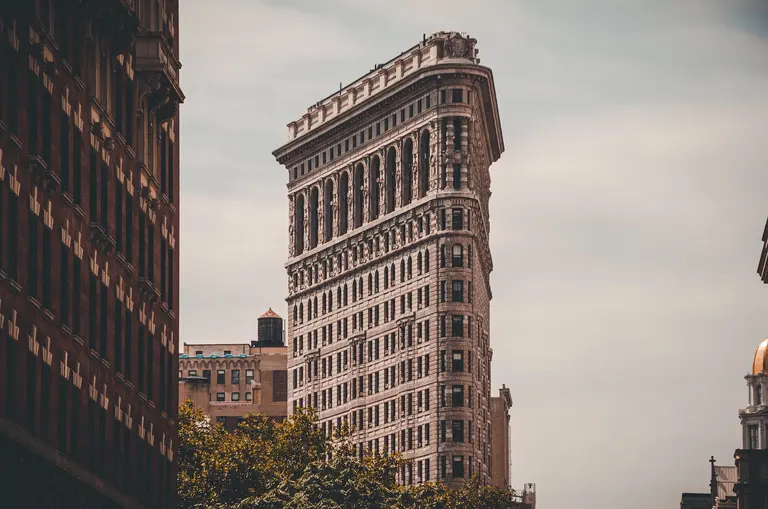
x=626 y=212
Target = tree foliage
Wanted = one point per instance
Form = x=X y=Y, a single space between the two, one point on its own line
x=269 y=465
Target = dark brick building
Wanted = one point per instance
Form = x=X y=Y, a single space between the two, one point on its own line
x=89 y=220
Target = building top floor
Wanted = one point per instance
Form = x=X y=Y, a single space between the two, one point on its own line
x=228 y=350
x=441 y=47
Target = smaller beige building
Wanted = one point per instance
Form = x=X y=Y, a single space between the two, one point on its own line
x=229 y=381
x=500 y=406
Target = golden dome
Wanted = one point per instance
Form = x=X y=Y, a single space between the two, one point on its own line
x=760 y=364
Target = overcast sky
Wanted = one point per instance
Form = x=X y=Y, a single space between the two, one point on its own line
x=626 y=213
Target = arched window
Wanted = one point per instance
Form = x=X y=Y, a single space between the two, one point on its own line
x=402 y=271
x=426 y=260
x=345 y=294
x=424 y=164
x=442 y=256
x=407 y=191
x=314 y=310
x=330 y=300
x=354 y=290
x=457 y=256
x=343 y=203
x=390 y=180
x=376 y=282
x=410 y=267
x=338 y=295
x=295 y=281
x=309 y=309
x=418 y=263
x=386 y=278
x=301 y=312
x=370 y=283
x=358 y=195
x=325 y=303
x=314 y=196
x=374 y=176
x=328 y=213
x=360 y=285
x=295 y=314
x=392 y=274
x=298 y=230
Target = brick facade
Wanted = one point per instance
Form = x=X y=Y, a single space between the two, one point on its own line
x=89 y=281
x=389 y=267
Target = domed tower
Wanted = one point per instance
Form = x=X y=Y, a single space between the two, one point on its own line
x=270 y=330
x=754 y=418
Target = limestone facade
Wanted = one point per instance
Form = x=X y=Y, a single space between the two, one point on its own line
x=389 y=261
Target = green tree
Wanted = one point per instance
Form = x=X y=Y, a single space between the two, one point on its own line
x=264 y=464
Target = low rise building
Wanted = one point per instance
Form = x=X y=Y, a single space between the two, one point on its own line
x=229 y=381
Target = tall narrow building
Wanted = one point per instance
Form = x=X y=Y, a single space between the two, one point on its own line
x=389 y=260
x=89 y=220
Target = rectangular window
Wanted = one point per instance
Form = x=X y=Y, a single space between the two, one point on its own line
x=458 y=467
x=235 y=377
x=248 y=376
x=457 y=291
x=457 y=95
x=457 y=219
x=32 y=254
x=47 y=268
x=219 y=396
x=457 y=431
x=235 y=396
x=248 y=396
x=457 y=325
x=220 y=377
x=457 y=395
x=32 y=117
x=64 y=150
x=458 y=361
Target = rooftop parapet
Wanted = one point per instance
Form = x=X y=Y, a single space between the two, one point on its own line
x=441 y=47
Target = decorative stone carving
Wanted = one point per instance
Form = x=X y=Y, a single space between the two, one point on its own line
x=457 y=47
x=291 y=223
x=336 y=203
x=321 y=212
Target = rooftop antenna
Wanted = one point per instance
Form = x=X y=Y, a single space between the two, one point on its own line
x=340 y=88
x=424 y=38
